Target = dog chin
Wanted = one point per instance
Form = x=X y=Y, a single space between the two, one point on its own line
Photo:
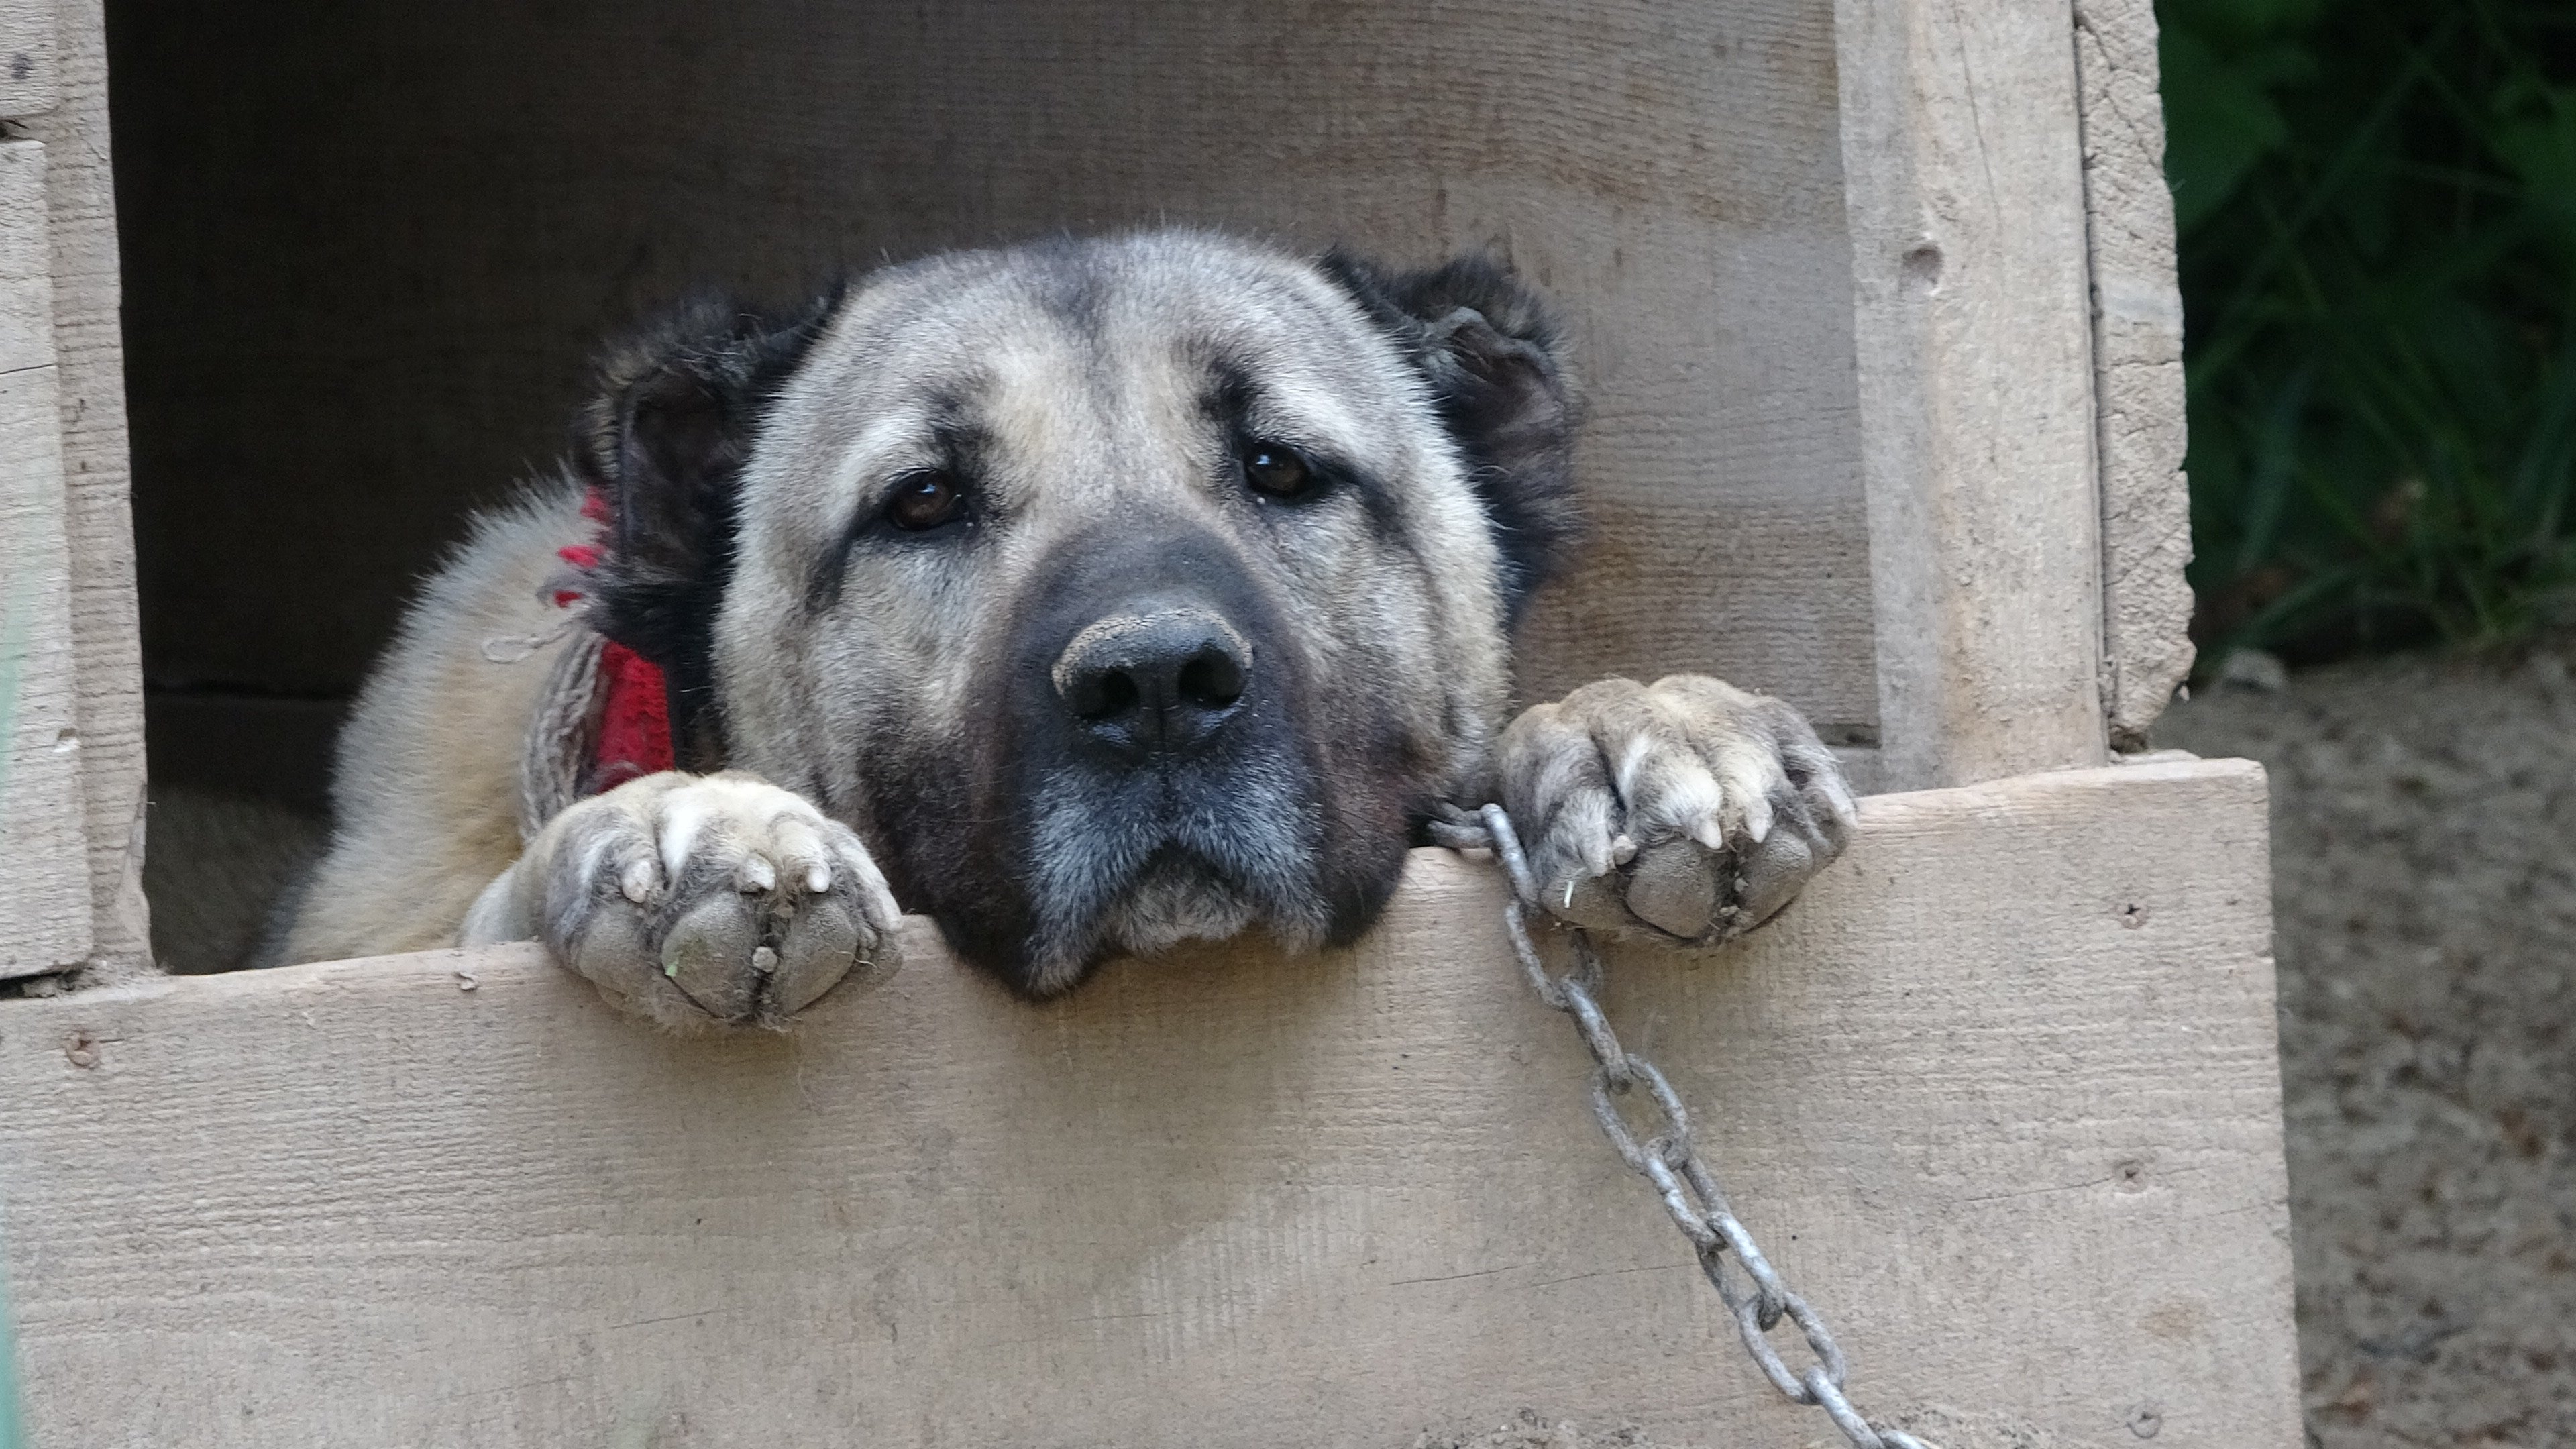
x=1176 y=900
x=1173 y=898
x=1131 y=869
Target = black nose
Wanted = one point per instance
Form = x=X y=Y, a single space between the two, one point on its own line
x=1154 y=680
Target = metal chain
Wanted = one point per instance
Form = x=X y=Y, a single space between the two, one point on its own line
x=1751 y=1288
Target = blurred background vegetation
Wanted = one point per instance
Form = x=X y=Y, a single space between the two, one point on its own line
x=2376 y=201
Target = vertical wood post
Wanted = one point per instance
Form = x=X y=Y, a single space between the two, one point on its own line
x=30 y=70
x=2137 y=367
x=88 y=379
x=1965 y=192
x=44 y=883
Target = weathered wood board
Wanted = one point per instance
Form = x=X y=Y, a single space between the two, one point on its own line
x=44 y=880
x=2000 y=1095
x=29 y=71
x=1863 y=292
x=1965 y=198
x=2137 y=366
x=403 y=227
x=97 y=519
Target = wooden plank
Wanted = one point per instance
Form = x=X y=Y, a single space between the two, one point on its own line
x=44 y=884
x=29 y=70
x=26 y=260
x=2001 y=1096
x=1965 y=197
x=506 y=180
x=2137 y=366
x=106 y=641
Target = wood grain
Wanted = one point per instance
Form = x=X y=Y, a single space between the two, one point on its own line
x=44 y=883
x=2000 y=1094
x=2137 y=366
x=97 y=516
x=1965 y=198
x=373 y=244
x=29 y=68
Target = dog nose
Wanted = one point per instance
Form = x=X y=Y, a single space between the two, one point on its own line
x=1154 y=680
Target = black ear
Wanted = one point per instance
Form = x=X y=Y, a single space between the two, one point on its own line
x=662 y=444
x=1491 y=353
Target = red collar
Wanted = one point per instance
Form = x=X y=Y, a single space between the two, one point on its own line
x=635 y=710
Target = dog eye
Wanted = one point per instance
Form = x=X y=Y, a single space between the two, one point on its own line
x=1277 y=471
x=925 y=500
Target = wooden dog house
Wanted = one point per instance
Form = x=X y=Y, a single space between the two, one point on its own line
x=1875 y=313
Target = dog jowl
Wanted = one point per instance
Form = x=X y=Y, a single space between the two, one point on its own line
x=1089 y=597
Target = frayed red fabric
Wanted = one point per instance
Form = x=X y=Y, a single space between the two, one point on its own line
x=635 y=721
x=635 y=712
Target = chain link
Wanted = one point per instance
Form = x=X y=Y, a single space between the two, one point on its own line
x=1668 y=1157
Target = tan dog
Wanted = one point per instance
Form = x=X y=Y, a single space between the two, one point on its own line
x=1088 y=596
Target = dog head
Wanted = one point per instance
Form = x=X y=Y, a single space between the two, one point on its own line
x=1119 y=592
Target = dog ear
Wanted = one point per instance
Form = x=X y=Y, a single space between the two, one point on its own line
x=1493 y=358
x=661 y=445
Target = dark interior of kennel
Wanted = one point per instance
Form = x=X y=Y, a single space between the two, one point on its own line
x=368 y=248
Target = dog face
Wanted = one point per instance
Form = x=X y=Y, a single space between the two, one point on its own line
x=1118 y=592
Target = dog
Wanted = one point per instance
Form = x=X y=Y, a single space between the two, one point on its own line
x=1089 y=596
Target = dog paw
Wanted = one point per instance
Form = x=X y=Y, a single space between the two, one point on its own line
x=1686 y=809
x=693 y=898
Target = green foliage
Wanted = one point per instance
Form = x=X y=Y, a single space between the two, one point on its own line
x=2377 y=208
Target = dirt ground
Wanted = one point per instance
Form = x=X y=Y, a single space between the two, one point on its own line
x=2424 y=896
x=2424 y=864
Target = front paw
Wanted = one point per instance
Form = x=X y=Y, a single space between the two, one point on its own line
x=721 y=897
x=1687 y=809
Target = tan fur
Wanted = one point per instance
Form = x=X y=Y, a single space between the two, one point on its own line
x=864 y=668
x=1084 y=450
x=1686 y=809
x=428 y=771
x=787 y=904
